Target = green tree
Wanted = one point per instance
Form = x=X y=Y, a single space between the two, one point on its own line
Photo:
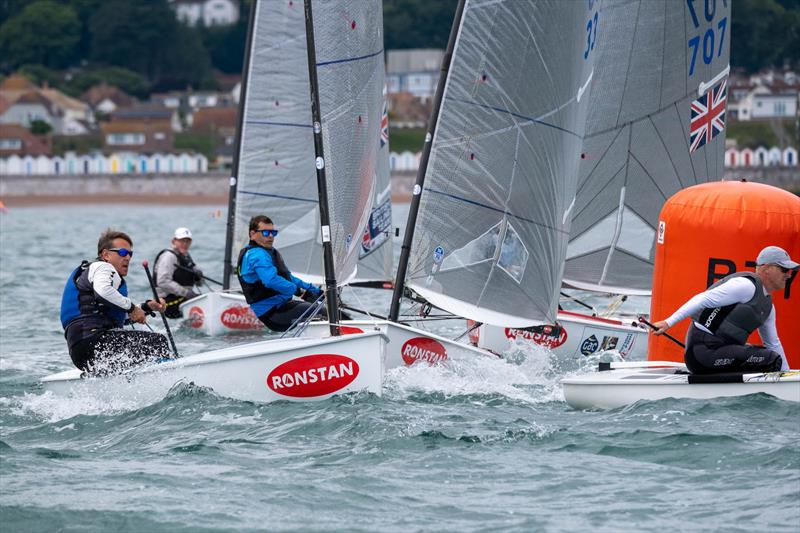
x=44 y=32
x=40 y=127
x=418 y=23
x=764 y=33
x=131 y=82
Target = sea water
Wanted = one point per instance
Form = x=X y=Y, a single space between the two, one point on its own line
x=483 y=445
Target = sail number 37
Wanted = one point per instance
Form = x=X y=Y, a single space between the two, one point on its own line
x=711 y=40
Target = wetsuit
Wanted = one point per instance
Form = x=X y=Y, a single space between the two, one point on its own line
x=94 y=308
x=175 y=276
x=724 y=316
x=268 y=287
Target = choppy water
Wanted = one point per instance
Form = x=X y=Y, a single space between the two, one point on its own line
x=481 y=446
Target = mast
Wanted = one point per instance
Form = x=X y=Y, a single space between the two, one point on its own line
x=331 y=296
x=228 y=267
x=408 y=237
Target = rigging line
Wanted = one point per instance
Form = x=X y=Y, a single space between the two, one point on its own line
x=271 y=123
x=349 y=59
x=630 y=55
x=282 y=197
x=663 y=46
x=518 y=115
x=600 y=160
x=496 y=209
x=663 y=194
x=578 y=213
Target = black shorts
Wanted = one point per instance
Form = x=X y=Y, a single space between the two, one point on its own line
x=282 y=317
x=709 y=354
x=117 y=349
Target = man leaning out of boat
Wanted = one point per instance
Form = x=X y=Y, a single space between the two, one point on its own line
x=268 y=284
x=95 y=307
x=176 y=273
x=725 y=315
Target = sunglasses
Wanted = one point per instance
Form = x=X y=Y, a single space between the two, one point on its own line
x=783 y=269
x=122 y=252
x=269 y=232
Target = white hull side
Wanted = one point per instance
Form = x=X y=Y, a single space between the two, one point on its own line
x=216 y=313
x=277 y=369
x=406 y=345
x=581 y=336
x=616 y=388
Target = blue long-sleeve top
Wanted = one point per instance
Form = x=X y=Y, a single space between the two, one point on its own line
x=257 y=265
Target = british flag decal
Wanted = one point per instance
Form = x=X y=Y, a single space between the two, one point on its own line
x=708 y=116
x=385 y=125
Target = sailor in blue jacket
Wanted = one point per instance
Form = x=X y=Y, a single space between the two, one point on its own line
x=267 y=283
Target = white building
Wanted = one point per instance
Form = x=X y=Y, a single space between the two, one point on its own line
x=413 y=71
x=206 y=12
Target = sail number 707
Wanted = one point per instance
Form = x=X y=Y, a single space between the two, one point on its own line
x=711 y=40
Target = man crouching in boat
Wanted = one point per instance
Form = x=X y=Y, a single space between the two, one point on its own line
x=94 y=308
x=728 y=312
x=266 y=281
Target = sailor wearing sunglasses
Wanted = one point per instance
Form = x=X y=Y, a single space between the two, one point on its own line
x=95 y=306
x=727 y=313
x=267 y=283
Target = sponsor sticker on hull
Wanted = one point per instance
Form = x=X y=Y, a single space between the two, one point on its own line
x=240 y=317
x=549 y=337
x=423 y=349
x=196 y=317
x=313 y=375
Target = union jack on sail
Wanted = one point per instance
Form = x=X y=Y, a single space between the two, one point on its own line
x=708 y=116
x=385 y=125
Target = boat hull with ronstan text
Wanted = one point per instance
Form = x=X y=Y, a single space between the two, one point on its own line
x=624 y=384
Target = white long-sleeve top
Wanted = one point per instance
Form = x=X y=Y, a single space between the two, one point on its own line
x=105 y=281
x=733 y=291
x=165 y=268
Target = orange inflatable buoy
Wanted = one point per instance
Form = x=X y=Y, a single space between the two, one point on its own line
x=714 y=229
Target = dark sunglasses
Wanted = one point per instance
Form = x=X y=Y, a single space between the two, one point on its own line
x=783 y=269
x=269 y=232
x=122 y=252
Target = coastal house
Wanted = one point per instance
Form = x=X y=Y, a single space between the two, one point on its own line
x=414 y=71
x=767 y=95
x=142 y=129
x=15 y=139
x=25 y=103
x=408 y=111
x=206 y=12
x=219 y=123
x=104 y=99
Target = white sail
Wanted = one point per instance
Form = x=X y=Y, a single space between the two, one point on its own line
x=277 y=175
x=658 y=62
x=494 y=216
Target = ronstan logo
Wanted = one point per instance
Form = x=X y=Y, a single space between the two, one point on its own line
x=313 y=375
x=423 y=349
x=240 y=317
x=196 y=317
x=550 y=338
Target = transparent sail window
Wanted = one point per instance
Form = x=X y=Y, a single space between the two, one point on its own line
x=513 y=254
x=476 y=251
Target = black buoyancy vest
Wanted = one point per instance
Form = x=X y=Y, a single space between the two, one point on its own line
x=257 y=291
x=93 y=314
x=184 y=272
x=736 y=322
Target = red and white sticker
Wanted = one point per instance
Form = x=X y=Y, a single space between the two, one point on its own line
x=240 y=317
x=423 y=349
x=196 y=316
x=350 y=330
x=550 y=337
x=313 y=375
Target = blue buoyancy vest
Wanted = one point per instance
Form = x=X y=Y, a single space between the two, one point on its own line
x=257 y=291
x=80 y=301
x=736 y=322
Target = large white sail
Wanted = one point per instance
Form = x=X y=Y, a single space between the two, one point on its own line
x=655 y=126
x=494 y=217
x=276 y=174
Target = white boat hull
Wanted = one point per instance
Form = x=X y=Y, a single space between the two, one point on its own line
x=657 y=380
x=579 y=336
x=295 y=369
x=216 y=313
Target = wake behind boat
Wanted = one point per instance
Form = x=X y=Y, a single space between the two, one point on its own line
x=620 y=384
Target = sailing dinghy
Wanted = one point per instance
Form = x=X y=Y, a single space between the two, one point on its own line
x=620 y=384
x=275 y=143
x=304 y=368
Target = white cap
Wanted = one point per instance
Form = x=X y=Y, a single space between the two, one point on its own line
x=773 y=255
x=183 y=233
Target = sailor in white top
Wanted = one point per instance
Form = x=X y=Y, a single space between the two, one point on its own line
x=731 y=309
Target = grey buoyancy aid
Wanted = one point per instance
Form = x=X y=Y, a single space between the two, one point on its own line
x=257 y=291
x=736 y=322
x=184 y=273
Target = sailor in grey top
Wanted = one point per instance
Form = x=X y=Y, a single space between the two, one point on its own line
x=728 y=312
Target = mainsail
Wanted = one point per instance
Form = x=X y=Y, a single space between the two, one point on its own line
x=495 y=210
x=276 y=174
x=655 y=126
